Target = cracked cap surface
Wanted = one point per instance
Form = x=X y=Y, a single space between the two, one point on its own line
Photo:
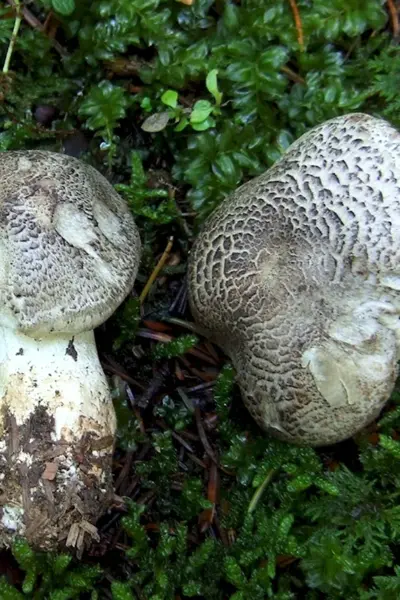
x=69 y=247
x=297 y=277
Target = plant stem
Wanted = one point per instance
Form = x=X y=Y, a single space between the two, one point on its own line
x=17 y=23
x=259 y=491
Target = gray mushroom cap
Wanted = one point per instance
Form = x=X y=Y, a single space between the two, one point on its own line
x=297 y=276
x=69 y=247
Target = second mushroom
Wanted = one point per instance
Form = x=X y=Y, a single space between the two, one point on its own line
x=69 y=253
x=296 y=276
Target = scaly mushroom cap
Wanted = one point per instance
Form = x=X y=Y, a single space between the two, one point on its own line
x=297 y=276
x=69 y=248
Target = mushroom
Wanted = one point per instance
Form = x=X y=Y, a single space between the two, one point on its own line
x=69 y=253
x=297 y=277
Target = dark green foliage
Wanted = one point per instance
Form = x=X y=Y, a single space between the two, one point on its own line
x=271 y=91
x=177 y=347
x=127 y=320
x=337 y=527
x=49 y=577
x=176 y=414
x=104 y=106
x=63 y=7
x=170 y=565
x=141 y=198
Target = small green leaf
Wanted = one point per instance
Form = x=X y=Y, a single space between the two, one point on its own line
x=146 y=104
x=285 y=525
x=29 y=581
x=300 y=483
x=184 y=122
x=201 y=110
x=192 y=588
x=8 y=592
x=170 y=98
x=390 y=445
x=212 y=86
x=121 y=591
x=176 y=347
x=61 y=563
x=225 y=169
x=234 y=573
x=207 y=124
x=327 y=486
x=64 y=7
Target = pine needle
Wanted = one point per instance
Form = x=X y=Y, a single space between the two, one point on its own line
x=156 y=270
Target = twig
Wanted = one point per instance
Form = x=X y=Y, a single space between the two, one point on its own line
x=186 y=324
x=154 y=386
x=179 y=303
x=297 y=22
x=125 y=469
x=203 y=437
x=197 y=460
x=156 y=271
x=200 y=387
x=36 y=24
x=292 y=75
x=113 y=367
x=177 y=437
x=207 y=516
x=14 y=35
x=394 y=17
x=158 y=336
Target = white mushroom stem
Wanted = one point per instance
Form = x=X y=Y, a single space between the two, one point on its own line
x=61 y=373
x=57 y=426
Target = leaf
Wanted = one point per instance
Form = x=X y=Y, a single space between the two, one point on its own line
x=225 y=169
x=64 y=7
x=212 y=86
x=104 y=106
x=273 y=58
x=285 y=525
x=127 y=319
x=203 y=125
x=201 y=110
x=184 y=122
x=234 y=573
x=121 y=591
x=8 y=592
x=390 y=445
x=170 y=98
x=177 y=347
x=302 y=482
x=156 y=122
